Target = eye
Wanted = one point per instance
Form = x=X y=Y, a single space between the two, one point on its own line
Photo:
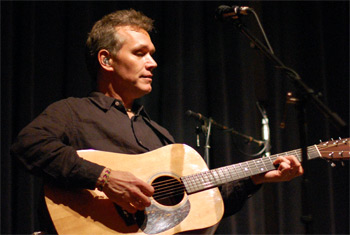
x=140 y=53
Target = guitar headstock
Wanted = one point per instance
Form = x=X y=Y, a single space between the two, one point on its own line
x=335 y=150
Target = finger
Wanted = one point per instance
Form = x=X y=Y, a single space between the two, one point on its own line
x=141 y=199
x=293 y=160
x=281 y=159
x=284 y=166
x=127 y=206
x=296 y=165
x=138 y=205
x=300 y=171
x=146 y=189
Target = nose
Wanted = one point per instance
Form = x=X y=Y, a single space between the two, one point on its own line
x=151 y=63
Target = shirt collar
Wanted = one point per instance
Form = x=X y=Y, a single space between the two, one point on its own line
x=102 y=101
x=106 y=103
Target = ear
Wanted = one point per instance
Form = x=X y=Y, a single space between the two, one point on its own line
x=104 y=58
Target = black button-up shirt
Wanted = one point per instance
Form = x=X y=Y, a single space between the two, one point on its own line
x=98 y=122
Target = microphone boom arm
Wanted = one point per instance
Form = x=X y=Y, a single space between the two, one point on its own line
x=223 y=127
x=332 y=116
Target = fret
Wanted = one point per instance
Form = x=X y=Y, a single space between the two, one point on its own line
x=260 y=167
x=297 y=153
x=196 y=182
x=204 y=180
x=233 y=172
x=193 y=183
x=250 y=166
x=314 y=152
x=245 y=169
x=221 y=175
x=226 y=174
x=268 y=162
x=230 y=173
x=255 y=168
x=210 y=178
x=187 y=184
x=215 y=176
x=271 y=161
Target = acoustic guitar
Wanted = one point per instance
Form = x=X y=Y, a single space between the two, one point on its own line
x=186 y=197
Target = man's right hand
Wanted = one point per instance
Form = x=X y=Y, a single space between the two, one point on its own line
x=129 y=192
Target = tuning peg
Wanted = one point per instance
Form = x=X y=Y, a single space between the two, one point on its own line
x=342 y=163
x=332 y=164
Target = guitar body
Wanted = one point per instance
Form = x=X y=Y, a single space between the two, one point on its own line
x=91 y=212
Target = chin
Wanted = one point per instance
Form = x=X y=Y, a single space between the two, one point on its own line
x=148 y=89
x=145 y=91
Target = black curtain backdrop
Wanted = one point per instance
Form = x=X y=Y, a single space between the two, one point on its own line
x=205 y=66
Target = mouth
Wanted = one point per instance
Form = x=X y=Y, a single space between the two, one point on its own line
x=148 y=77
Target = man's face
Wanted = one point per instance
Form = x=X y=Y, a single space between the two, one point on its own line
x=133 y=63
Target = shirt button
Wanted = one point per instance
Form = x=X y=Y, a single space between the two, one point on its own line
x=140 y=142
x=117 y=103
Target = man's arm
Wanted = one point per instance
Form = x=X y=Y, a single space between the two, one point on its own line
x=44 y=148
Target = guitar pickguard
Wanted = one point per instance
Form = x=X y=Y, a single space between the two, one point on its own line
x=159 y=219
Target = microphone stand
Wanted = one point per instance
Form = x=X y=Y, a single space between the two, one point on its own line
x=207 y=140
x=308 y=95
x=332 y=116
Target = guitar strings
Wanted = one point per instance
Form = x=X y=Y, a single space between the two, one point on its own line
x=165 y=188
x=173 y=187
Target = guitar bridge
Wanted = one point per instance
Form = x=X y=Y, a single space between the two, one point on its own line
x=130 y=219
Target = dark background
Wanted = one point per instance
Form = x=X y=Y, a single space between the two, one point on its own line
x=203 y=65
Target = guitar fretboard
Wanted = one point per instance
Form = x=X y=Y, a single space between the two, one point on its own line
x=219 y=176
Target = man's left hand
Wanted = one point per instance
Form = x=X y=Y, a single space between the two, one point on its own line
x=288 y=168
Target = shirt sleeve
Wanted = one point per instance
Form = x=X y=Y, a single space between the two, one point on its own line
x=44 y=148
x=236 y=193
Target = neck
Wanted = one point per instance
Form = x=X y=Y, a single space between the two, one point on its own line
x=106 y=87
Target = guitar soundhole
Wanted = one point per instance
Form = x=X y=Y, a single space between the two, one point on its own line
x=168 y=190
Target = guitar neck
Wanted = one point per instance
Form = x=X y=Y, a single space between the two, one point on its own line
x=219 y=176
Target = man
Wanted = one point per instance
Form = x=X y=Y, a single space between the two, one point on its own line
x=119 y=57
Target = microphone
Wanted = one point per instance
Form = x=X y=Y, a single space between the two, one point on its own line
x=201 y=118
x=223 y=12
x=198 y=116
